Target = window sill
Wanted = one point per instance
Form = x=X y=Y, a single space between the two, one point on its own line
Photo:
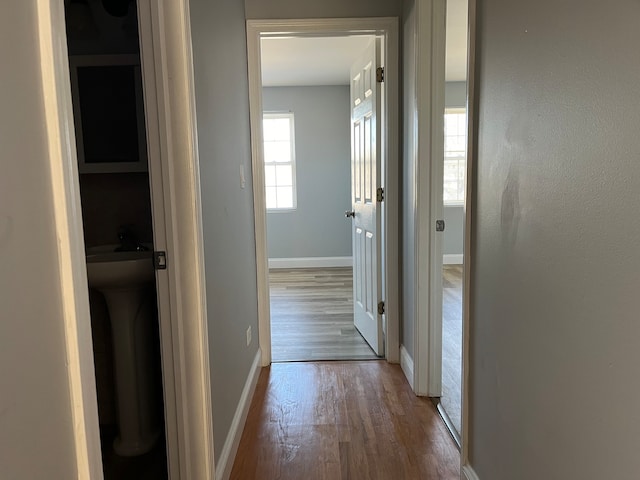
x=281 y=210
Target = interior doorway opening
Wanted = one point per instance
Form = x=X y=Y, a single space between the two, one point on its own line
x=103 y=43
x=453 y=206
x=267 y=188
x=308 y=187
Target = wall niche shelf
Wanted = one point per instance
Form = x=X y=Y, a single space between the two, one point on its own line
x=108 y=112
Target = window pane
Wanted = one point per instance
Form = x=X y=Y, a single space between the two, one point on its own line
x=455 y=156
x=277 y=152
x=285 y=197
x=270 y=176
x=284 y=175
x=276 y=129
x=272 y=201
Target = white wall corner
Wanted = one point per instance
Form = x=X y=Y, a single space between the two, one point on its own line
x=311 y=262
x=468 y=473
x=406 y=363
x=230 y=448
x=453 y=259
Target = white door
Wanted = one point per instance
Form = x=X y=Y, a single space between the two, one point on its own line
x=366 y=179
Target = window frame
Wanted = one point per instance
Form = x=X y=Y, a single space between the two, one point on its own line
x=458 y=202
x=292 y=146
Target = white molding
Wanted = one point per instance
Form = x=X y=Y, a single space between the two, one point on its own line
x=468 y=473
x=468 y=229
x=310 y=262
x=430 y=88
x=173 y=61
x=406 y=363
x=230 y=448
x=56 y=89
x=389 y=27
x=453 y=259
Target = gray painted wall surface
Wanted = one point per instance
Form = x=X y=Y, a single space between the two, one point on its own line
x=36 y=437
x=219 y=38
x=409 y=156
x=453 y=241
x=554 y=341
x=317 y=228
x=265 y=9
x=455 y=94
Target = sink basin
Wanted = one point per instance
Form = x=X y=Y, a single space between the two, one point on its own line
x=109 y=269
x=126 y=280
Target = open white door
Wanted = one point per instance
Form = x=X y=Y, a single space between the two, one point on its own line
x=366 y=180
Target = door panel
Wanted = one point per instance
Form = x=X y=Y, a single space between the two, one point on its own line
x=366 y=178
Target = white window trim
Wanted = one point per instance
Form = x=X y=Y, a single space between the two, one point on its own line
x=292 y=142
x=455 y=203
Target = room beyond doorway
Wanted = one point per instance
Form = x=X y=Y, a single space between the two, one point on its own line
x=312 y=316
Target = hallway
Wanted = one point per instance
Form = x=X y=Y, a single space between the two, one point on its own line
x=342 y=420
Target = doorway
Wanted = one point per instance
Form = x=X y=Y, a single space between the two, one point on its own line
x=306 y=30
x=454 y=214
x=103 y=44
x=308 y=179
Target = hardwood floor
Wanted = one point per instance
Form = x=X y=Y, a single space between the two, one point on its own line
x=451 y=399
x=342 y=420
x=312 y=316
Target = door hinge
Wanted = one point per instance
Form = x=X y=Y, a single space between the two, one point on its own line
x=439 y=225
x=380 y=74
x=380 y=194
x=160 y=260
x=380 y=308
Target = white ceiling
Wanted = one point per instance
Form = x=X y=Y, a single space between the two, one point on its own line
x=291 y=61
x=309 y=61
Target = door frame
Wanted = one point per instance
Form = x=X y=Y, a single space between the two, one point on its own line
x=169 y=97
x=430 y=89
x=389 y=28
x=469 y=210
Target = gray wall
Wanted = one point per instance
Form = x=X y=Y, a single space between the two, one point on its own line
x=455 y=94
x=554 y=341
x=317 y=228
x=36 y=438
x=409 y=157
x=219 y=38
x=453 y=239
x=322 y=9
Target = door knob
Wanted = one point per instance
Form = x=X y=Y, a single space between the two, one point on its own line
x=351 y=214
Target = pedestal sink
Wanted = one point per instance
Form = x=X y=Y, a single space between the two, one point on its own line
x=126 y=279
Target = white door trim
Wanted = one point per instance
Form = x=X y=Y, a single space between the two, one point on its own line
x=74 y=290
x=467 y=294
x=184 y=337
x=430 y=87
x=331 y=26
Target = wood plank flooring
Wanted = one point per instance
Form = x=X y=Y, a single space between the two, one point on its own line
x=342 y=420
x=451 y=398
x=312 y=316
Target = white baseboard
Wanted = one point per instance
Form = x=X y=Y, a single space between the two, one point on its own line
x=406 y=363
x=468 y=473
x=453 y=259
x=230 y=448
x=311 y=262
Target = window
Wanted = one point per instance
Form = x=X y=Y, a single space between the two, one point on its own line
x=455 y=155
x=279 y=161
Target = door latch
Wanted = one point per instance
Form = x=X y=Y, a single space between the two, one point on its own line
x=160 y=260
x=439 y=225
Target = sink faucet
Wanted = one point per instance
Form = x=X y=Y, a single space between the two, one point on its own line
x=128 y=241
